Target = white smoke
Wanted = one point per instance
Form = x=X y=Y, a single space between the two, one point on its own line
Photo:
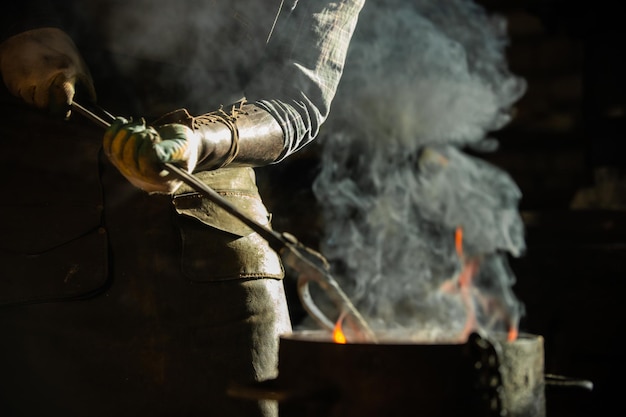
x=424 y=79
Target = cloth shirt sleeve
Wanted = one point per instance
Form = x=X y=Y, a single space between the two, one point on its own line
x=305 y=61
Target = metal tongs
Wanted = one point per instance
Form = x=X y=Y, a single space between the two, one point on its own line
x=308 y=264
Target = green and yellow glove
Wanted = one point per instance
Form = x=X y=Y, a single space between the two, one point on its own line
x=139 y=152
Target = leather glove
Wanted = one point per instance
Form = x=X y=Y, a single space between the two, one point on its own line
x=139 y=152
x=42 y=67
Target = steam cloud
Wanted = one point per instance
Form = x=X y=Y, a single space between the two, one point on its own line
x=424 y=79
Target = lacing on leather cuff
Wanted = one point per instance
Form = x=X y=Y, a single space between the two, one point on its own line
x=227 y=118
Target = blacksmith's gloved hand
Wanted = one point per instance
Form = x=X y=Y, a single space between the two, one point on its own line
x=139 y=152
x=242 y=135
x=42 y=67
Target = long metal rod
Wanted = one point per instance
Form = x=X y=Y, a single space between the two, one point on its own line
x=288 y=247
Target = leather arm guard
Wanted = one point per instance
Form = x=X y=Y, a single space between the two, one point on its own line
x=241 y=135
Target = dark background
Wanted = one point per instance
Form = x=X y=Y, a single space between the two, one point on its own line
x=565 y=150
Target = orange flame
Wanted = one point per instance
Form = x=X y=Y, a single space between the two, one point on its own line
x=463 y=286
x=338 y=335
x=458 y=241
